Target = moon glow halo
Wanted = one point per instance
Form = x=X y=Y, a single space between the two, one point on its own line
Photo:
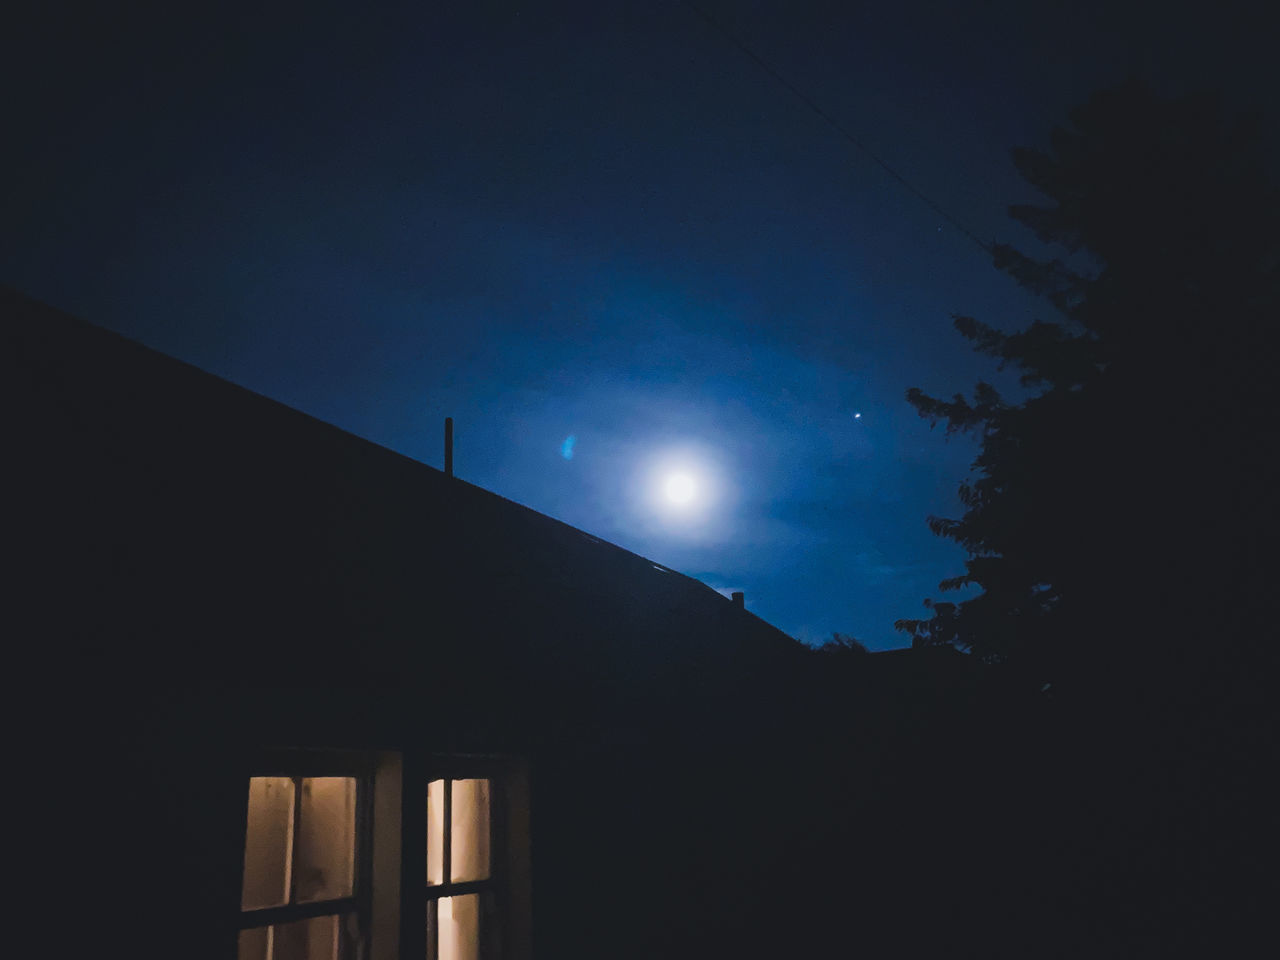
x=680 y=488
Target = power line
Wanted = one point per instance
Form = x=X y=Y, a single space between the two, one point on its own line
x=836 y=125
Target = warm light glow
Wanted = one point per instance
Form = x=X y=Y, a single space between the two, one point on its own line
x=435 y=832
x=268 y=843
x=469 y=838
x=468 y=831
x=459 y=928
x=680 y=488
x=324 y=860
x=318 y=938
x=299 y=848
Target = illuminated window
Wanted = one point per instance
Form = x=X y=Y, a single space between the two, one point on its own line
x=302 y=894
x=462 y=913
x=372 y=855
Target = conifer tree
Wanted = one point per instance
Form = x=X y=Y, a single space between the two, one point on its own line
x=1112 y=519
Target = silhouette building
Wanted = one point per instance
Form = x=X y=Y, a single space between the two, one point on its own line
x=310 y=698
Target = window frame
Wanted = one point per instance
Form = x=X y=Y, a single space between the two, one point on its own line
x=298 y=765
x=493 y=931
x=390 y=893
x=506 y=937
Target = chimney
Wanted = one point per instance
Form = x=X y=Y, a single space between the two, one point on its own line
x=739 y=600
x=448 y=446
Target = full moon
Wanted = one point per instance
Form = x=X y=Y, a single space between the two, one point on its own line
x=683 y=490
x=679 y=488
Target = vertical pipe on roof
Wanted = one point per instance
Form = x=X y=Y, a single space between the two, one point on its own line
x=448 y=446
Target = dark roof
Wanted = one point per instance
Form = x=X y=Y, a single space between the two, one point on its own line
x=180 y=519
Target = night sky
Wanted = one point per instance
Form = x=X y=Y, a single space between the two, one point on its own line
x=599 y=236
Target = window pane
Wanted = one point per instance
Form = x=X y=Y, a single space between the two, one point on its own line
x=325 y=861
x=314 y=939
x=456 y=933
x=268 y=842
x=435 y=831
x=469 y=853
x=320 y=938
x=255 y=944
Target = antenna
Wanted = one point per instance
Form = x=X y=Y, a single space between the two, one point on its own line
x=448 y=446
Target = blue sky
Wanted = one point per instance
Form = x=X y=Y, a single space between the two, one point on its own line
x=594 y=220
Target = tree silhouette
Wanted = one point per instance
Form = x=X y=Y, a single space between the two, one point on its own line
x=843 y=644
x=1109 y=517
